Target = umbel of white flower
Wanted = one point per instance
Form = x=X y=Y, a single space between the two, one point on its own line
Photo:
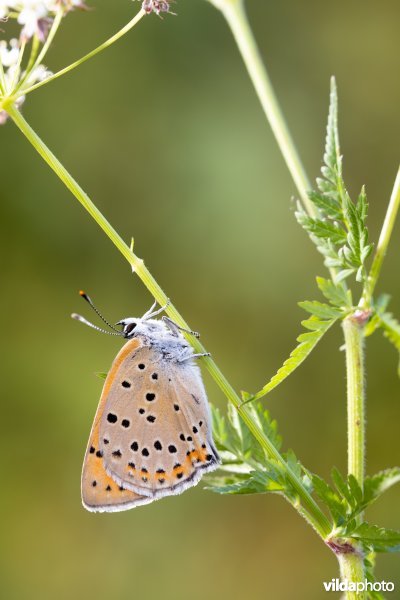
x=39 y=21
x=35 y=18
x=9 y=56
x=35 y=15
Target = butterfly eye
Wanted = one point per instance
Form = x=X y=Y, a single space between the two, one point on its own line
x=129 y=328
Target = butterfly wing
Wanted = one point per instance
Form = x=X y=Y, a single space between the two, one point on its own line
x=100 y=493
x=155 y=431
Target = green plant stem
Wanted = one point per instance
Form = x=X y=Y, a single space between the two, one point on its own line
x=354 y=342
x=91 y=54
x=34 y=52
x=50 y=37
x=2 y=79
x=352 y=564
x=306 y=504
x=383 y=242
x=36 y=61
x=235 y=15
x=352 y=569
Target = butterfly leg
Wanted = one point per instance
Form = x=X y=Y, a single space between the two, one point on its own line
x=150 y=314
x=190 y=356
x=175 y=328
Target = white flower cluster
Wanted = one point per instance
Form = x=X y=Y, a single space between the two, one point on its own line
x=9 y=56
x=35 y=15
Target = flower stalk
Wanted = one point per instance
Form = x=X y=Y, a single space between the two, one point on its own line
x=383 y=243
x=235 y=15
x=114 y=38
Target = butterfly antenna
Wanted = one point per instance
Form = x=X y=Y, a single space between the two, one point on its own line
x=96 y=310
x=89 y=324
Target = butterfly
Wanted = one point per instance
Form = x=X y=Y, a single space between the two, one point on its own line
x=151 y=436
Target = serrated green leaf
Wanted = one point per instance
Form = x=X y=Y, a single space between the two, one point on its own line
x=219 y=427
x=376 y=538
x=348 y=500
x=339 y=232
x=343 y=274
x=357 y=249
x=336 y=293
x=233 y=436
x=247 y=486
x=327 y=204
x=324 y=229
x=246 y=469
x=320 y=310
x=293 y=463
x=391 y=330
x=355 y=489
x=381 y=303
x=342 y=486
x=269 y=426
x=331 y=499
x=376 y=485
x=307 y=342
x=373 y=324
x=271 y=479
x=333 y=167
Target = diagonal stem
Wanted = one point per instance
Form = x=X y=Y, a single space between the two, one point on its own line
x=306 y=505
x=383 y=242
x=235 y=15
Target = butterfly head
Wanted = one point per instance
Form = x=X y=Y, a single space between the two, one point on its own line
x=129 y=327
x=141 y=327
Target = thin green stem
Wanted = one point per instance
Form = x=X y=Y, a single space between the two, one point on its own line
x=235 y=15
x=306 y=505
x=91 y=54
x=3 y=87
x=17 y=68
x=34 y=53
x=35 y=60
x=383 y=242
x=50 y=37
x=354 y=343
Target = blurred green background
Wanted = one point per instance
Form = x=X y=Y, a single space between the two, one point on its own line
x=165 y=133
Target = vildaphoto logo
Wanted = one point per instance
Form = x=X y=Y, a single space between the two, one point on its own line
x=336 y=585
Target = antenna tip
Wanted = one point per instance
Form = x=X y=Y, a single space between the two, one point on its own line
x=82 y=293
x=76 y=317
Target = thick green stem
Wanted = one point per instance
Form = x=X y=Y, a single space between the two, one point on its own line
x=352 y=570
x=306 y=504
x=383 y=243
x=354 y=342
x=352 y=564
x=235 y=15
